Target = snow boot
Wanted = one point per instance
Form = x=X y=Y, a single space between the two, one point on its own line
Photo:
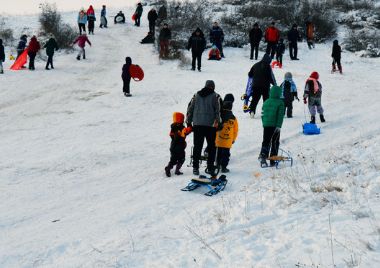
x=127 y=94
x=312 y=121
x=167 y=170
x=78 y=57
x=177 y=170
x=333 y=70
x=225 y=170
x=322 y=118
x=196 y=171
x=340 y=70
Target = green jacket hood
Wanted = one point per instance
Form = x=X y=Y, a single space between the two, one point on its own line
x=275 y=92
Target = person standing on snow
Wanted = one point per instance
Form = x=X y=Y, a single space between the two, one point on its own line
x=33 y=48
x=81 y=40
x=126 y=76
x=119 y=18
x=82 y=20
x=255 y=36
x=103 y=18
x=313 y=97
x=164 y=38
x=21 y=45
x=280 y=50
x=203 y=113
x=336 y=55
x=2 y=56
x=162 y=14
x=289 y=93
x=310 y=34
x=272 y=118
x=272 y=35
x=217 y=37
x=197 y=44
x=262 y=75
x=50 y=46
x=138 y=12
x=293 y=38
x=152 y=17
x=91 y=19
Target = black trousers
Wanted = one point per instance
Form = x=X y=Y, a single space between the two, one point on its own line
x=82 y=27
x=50 y=61
x=337 y=62
x=152 y=26
x=32 y=56
x=293 y=50
x=254 y=48
x=223 y=156
x=271 y=49
x=279 y=58
x=271 y=142
x=137 y=21
x=197 y=57
x=257 y=92
x=288 y=108
x=200 y=134
x=126 y=83
x=91 y=26
x=176 y=158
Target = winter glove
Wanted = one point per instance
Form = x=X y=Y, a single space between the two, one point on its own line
x=277 y=130
x=304 y=100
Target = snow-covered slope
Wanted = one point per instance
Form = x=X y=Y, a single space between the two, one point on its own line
x=82 y=181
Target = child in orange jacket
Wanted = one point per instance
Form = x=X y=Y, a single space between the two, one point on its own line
x=178 y=135
x=227 y=134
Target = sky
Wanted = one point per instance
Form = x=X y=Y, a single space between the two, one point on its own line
x=31 y=6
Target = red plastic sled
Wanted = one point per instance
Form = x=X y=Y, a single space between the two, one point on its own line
x=134 y=17
x=276 y=63
x=136 y=72
x=17 y=65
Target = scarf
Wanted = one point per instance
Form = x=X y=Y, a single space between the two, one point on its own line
x=315 y=83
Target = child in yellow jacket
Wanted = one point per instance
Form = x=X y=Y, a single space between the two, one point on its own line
x=226 y=134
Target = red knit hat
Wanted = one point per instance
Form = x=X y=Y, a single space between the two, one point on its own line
x=178 y=117
x=314 y=75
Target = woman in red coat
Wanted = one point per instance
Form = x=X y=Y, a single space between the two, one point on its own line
x=33 y=48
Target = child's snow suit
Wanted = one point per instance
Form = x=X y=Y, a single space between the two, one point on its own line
x=126 y=75
x=313 y=96
x=289 y=93
x=280 y=50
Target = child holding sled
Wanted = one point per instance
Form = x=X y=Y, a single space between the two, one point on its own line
x=178 y=135
x=214 y=53
x=313 y=96
x=289 y=93
x=226 y=134
x=272 y=118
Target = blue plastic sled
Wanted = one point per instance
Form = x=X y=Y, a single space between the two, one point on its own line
x=311 y=129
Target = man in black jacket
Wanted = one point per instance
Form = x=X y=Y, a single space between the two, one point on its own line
x=197 y=44
x=164 y=38
x=255 y=36
x=50 y=46
x=262 y=76
x=203 y=113
x=152 y=17
x=293 y=37
x=2 y=56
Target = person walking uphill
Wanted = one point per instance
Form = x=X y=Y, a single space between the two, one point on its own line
x=91 y=19
x=126 y=76
x=103 y=18
x=293 y=38
x=203 y=113
x=50 y=46
x=272 y=118
x=336 y=55
x=263 y=77
x=197 y=44
x=2 y=56
x=217 y=37
x=255 y=36
x=152 y=17
x=138 y=12
x=272 y=35
x=33 y=48
x=82 y=20
x=81 y=40
x=164 y=38
x=313 y=96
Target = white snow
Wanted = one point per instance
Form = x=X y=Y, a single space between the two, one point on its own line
x=82 y=179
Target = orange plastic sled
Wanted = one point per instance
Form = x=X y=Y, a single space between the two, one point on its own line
x=276 y=63
x=136 y=72
x=20 y=61
x=134 y=17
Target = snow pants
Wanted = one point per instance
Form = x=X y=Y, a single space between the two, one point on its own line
x=271 y=49
x=164 y=48
x=288 y=108
x=50 y=61
x=126 y=85
x=257 y=92
x=82 y=52
x=32 y=56
x=293 y=50
x=271 y=142
x=197 y=57
x=1 y=67
x=82 y=27
x=223 y=156
x=200 y=134
x=315 y=105
x=255 y=49
x=91 y=26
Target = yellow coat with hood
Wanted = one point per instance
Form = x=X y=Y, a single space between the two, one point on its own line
x=229 y=132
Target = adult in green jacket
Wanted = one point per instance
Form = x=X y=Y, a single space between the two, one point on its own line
x=272 y=118
x=50 y=46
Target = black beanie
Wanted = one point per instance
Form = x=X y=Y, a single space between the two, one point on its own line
x=229 y=97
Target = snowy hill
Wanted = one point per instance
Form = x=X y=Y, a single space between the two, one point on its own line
x=82 y=168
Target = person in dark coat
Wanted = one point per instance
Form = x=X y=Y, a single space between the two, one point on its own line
x=149 y=39
x=162 y=14
x=203 y=113
x=197 y=44
x=119 y=18
x=272 y=35
x=2 y=56
x=280 y=50
x=126 y=76
x=164 y=38
x=336 y=55
x=138 y=12
x=21 y=45
x=263 y=77
x=217 y=37
x=152 y=17
x=50 y=46
x=91 y=19
x=33 y=48
x=255 y=36
x=293 y=38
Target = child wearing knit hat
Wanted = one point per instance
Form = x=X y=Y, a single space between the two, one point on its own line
x=289 y=93
x=313 y=97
